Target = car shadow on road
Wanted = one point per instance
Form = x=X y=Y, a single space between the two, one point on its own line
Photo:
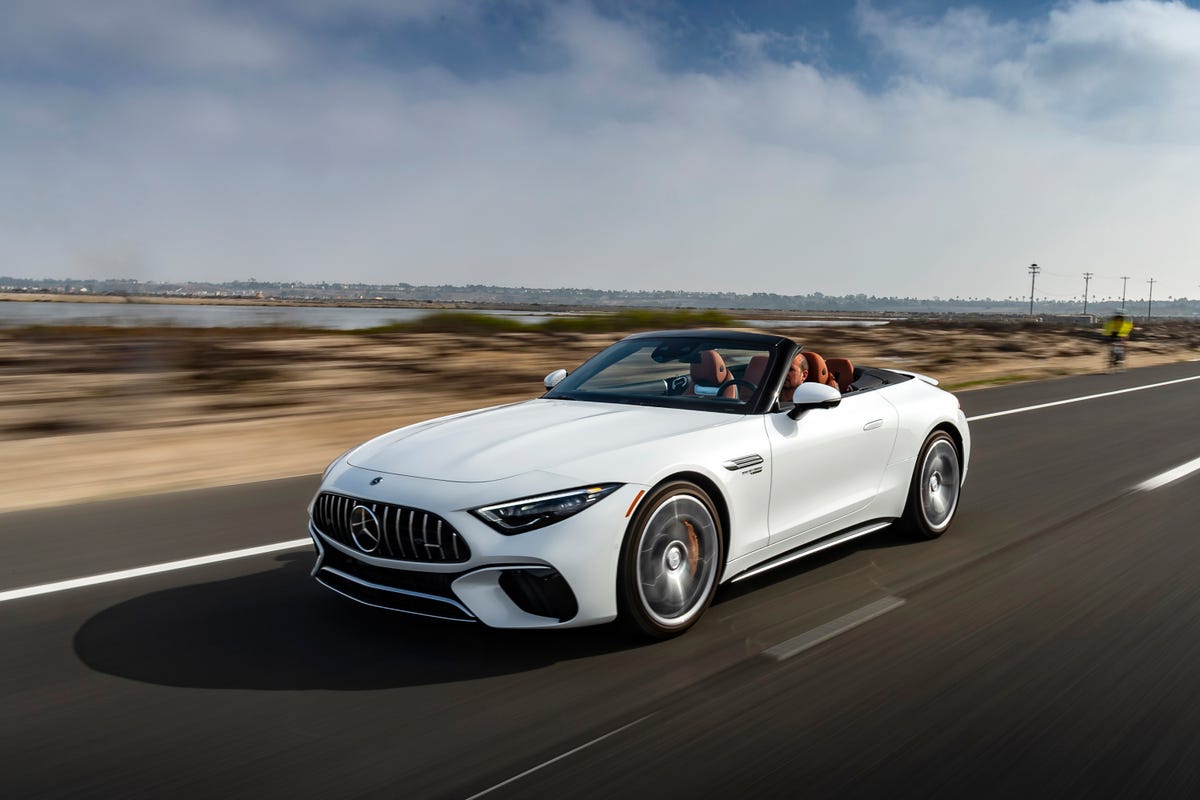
x=280 y=630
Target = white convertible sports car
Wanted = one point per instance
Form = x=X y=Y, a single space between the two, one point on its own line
x=667 y=464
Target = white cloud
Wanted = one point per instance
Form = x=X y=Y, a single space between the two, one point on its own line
x=1129 y=67
x=1125 y=69
x=137 y=37
x=958 y=51
x=614 y=172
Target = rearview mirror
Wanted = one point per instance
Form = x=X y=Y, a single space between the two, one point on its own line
x=554 y=378
x=813 y=395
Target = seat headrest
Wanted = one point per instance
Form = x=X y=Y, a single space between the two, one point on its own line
x=842 y=371
x=756 y=369
x=818 y=371
x=710 y=369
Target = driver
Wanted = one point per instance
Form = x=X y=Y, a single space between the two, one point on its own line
x=797 y=373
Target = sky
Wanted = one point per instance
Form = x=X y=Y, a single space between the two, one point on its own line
x=882 y=147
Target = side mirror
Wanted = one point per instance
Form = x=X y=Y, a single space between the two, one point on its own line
x=813 y=395
x=554 y=378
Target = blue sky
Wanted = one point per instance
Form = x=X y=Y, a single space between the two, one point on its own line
x=909 y=147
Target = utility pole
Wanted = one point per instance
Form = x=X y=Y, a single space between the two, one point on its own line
x=1034 y=269
x=1150 y=302
x=1087 y=278
x=1124 y=283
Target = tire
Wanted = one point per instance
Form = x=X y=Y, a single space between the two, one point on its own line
x=935 y=488
x=670 y=560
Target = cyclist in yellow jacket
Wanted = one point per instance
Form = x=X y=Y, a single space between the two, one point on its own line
x=1117 y=329
x=1119 y=324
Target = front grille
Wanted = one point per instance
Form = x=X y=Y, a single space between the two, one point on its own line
x=404 y=534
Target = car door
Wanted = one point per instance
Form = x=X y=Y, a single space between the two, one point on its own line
x=828 y=464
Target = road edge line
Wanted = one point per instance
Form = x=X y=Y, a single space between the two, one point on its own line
x=1080 y=399
x=153 y=569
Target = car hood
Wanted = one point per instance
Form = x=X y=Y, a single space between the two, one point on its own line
x=504 y=441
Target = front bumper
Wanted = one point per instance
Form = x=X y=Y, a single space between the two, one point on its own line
x=563 y=575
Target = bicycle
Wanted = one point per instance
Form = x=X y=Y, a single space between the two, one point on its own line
x=1116 y=355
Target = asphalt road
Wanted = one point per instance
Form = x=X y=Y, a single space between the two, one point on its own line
x=1048 y=645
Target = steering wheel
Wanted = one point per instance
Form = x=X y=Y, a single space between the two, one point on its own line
x=736 y=382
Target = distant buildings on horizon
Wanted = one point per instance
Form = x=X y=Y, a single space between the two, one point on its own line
x=484 y=295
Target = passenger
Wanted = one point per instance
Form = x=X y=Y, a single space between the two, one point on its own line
x=796 y=375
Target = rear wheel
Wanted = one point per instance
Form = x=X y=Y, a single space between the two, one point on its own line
x=933 y=494
x=670 y=561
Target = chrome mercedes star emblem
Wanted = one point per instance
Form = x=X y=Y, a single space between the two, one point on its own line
x=364 y=529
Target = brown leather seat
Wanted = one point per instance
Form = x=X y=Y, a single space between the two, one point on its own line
x=709 y=373
x=756 y=370
x=818 y=370
x=842 y=371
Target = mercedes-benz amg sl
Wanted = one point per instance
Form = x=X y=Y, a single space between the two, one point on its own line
x=666 y=465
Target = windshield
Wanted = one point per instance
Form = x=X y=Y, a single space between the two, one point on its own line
x=701 y=372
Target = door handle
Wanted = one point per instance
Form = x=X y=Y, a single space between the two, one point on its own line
x=873 y=424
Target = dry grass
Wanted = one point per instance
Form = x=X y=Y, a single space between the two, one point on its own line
x=89 y=413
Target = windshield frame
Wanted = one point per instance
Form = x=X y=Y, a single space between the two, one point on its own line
x=777 y=348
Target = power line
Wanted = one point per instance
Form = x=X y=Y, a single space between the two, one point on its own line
x=1033 y=273
x=1087 y=278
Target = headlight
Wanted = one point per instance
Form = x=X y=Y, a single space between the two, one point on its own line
x=531 y=513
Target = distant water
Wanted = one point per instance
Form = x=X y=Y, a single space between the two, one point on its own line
x=16 y=314
x=217 y=316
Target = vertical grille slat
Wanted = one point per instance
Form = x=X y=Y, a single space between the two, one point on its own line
x=344 y=517
x=399 y=535
x=384 y=544
x=412 y=539
x=406 y=534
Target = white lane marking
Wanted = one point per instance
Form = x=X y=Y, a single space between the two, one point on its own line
x=137 y=572
x=823 y=633
x=559 y=758
x=1080 y=399
x=1170 y=476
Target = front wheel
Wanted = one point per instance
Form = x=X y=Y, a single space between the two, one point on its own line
x=936 y=483
x=670 y=561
